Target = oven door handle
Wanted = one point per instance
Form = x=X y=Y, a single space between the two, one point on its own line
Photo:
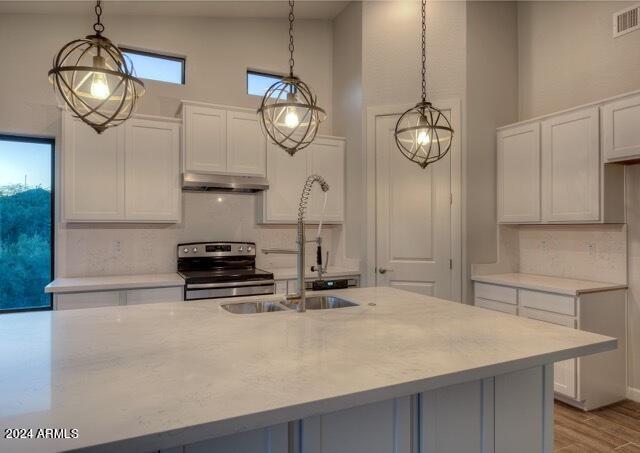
x=230 y=284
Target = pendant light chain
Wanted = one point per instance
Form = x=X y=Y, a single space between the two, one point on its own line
x=98 y=27
x=424 y=51
x=291 y=46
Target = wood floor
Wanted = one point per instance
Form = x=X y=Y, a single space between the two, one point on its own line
x=614 y=428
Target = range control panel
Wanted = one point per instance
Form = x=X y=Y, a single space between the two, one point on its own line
x=216 y=249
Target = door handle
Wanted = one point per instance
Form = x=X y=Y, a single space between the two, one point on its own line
x=382 y=270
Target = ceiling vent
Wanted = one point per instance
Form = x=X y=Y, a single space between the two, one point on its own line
x=626 y=21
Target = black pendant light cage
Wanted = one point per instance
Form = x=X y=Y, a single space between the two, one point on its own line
x=289 y=112
x=95 y=80
x=423 y=133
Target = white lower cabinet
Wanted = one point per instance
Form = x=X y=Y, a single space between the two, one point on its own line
x=94 y=299
x=587 y=382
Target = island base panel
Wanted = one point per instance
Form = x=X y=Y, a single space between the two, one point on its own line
x=500 y=414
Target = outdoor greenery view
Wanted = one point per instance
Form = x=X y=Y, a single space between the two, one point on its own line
x=25 y=237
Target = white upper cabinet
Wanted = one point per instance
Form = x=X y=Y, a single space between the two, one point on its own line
x=222 y=140
x=519 y=174
x=246 y=145
x=551 y=170
x=152 y=171
x=571 y=167
x=621 y=129
x=327 y=160
x=287 y=175
x=130 y=173
x=205 y=139
x=93 y=172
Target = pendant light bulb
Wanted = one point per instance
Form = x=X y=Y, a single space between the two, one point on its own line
x=291 y=119
x=423 y=138
x=99 y=86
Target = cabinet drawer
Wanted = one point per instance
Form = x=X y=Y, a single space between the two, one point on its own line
x=551 y=318
x=496 y=306
x=556 y=303
x=152 y=295
x=495 y=292
x=96 y=299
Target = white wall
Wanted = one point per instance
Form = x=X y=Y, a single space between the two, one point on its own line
x=567 y=57
x=492 y=101
x=348 y=117
x=218 y=52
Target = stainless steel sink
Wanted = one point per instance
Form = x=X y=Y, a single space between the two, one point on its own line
x=261 y=306
x=321 y=303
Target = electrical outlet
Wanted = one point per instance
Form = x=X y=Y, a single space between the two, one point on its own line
x=590 y=248
x=544 y=246
x=116 y=248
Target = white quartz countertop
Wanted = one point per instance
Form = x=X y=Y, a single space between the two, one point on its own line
x=114 y=282
x=146 y=377
x=333 y=272
x=568 y=286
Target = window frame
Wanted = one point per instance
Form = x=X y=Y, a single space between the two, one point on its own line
x=259 y=72
x=162 y=56
x=52 y=246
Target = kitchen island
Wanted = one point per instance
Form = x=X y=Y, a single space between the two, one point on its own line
x=398 y=371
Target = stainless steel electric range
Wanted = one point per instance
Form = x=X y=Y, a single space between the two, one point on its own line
x=222 y=269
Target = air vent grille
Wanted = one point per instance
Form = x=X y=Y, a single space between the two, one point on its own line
x=626 y=21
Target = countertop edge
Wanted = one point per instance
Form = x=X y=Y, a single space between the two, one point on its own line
x=219 y=428
x=492 y=278
x=55 y=287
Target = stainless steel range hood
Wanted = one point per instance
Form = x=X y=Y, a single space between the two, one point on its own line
x=201 y=182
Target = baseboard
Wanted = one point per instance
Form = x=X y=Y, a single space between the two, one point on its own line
x=633 y=394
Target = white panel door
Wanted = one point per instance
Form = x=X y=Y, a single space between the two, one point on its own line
x=287 y=175
x=93 y=172
x=565 y=372
x=571 y=167
x=152 y=170
x=413 y=218
x=620 y=121
x=246 y=145
x=205 y=139
x=519 y=174
x=327 y=160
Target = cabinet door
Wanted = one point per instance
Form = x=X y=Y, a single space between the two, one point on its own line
x=571 y=167
x=93 y=172
x=565 y=372
x=620 y=120
x=327 y=160
x=246 y=145
x=519 y=174
x=152 y=171
x=205 y=139
x=154 y=295
x=87 y=300
x=287 y=175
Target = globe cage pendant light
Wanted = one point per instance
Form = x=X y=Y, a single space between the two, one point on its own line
x=423 y=133
x=289 y=112
x=95 y=80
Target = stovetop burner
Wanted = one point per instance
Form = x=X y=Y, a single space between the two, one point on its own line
x=224 y=275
